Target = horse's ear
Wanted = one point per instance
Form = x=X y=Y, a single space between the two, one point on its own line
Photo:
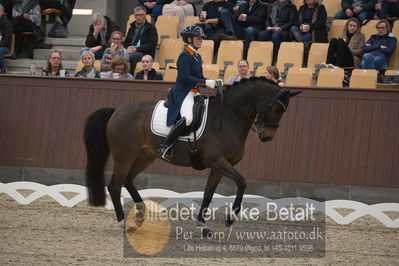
x=294 y=93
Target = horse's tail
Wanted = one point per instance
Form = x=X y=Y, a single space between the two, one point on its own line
x=97 y=154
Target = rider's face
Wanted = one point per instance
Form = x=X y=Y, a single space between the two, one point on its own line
x=197 y=42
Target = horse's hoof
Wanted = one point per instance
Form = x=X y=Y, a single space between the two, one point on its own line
x=207 y=232
x=229 y=221
x=122 y=224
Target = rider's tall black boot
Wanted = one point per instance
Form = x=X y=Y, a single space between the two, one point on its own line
x=166 y=148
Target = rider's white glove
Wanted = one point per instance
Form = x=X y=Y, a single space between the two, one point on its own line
x=210 y=83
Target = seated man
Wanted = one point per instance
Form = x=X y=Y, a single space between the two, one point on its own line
x=66 y=8
x=5 y=40
x=387 y=9
x=280 y=18
x=360 y=9
x=154 y=7
x=141 y=39
x=379 y=48
x=99 y=34
x=215 y=19
x=250 y=17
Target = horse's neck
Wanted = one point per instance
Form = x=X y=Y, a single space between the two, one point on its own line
x=241 y=102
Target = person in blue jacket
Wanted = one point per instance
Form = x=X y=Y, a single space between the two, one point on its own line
x=189 y=78
x=379 y=48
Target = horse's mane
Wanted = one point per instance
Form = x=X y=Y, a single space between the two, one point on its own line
x=242 y=81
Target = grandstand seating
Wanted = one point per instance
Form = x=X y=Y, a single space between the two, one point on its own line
x=260 y=71
x=290 y=52
x=332 y=7
x=230 y=52
x=260 y=54
x=299 y=77
x=211 y=71
x=330 y=77
x=369 y=29
x=167 y=27
x=230 y=71
x=392 y=72
x=363 y=78
x=206 y=51
x=336 y=29
x=190 y=20
x=169 y=51
x=317 y=54
x=170 y=73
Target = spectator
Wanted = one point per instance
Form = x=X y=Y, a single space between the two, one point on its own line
x=148 y=73
x=26 y=17
x=379 y=47
x=178 y=8
x=360 y=9
x=273 y=74
x=243 y=72
x=7 y=4
x=88 y=70
x=154 y=7
x=250 y=18
x=54 y=65
x=115 y=48
x=119 y=69
x=280 y=18
x=66 y=8
x=100 y=30
x=387 y=8
x=215 y=19
x=310 y=23
x=141 y=39
x=5 y=40
x=237 y=4
x=347 y=50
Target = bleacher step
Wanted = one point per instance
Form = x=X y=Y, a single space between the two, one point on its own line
x=22 y=66
x=42 y=54
x=70 y=41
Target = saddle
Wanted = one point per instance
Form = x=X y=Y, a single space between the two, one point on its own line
x=198 y=113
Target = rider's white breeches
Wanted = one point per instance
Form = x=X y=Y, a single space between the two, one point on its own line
x=186 y=109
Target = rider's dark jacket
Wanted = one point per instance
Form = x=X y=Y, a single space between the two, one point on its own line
x=189 y=67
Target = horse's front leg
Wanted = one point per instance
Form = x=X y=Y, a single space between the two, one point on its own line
x=224 y=167
x=213 y=181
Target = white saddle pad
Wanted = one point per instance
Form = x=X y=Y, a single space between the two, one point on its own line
x=158 y=122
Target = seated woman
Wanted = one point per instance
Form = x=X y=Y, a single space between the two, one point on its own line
x=148 y=73
x=26 y=16
x=115 y=48
x=88 y=70
x=347 y=50
x=310 y=23
x=54 y=65
x=119 y=69
x=379 y=47
x=273 y=74
x=243 y=72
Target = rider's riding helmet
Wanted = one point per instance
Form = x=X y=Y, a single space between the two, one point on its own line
x=192 y=31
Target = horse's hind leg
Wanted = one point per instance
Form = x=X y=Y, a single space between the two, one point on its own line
x=121 y=171
x=143 y=160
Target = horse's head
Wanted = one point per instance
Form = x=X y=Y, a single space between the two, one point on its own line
x=270 y=112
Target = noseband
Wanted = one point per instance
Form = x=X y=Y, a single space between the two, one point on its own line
x=262 y=120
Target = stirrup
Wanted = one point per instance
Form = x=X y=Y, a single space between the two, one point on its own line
x=166 y=152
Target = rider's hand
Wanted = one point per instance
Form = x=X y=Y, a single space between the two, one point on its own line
x=210 y=83
x=219 y=82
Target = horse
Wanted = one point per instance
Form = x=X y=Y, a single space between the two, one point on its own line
x=125 y=133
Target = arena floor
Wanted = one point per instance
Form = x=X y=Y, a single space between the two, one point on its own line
x=46 y=233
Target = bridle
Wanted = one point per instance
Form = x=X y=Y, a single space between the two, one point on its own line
x=263 y=118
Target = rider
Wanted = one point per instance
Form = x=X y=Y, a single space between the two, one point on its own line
x=181 y=97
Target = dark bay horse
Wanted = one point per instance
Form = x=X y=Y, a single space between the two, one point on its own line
x=125 y=133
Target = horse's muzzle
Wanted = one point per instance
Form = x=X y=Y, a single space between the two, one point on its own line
x=267 y=134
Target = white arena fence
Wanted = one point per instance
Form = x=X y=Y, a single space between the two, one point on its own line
x=55 y=192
